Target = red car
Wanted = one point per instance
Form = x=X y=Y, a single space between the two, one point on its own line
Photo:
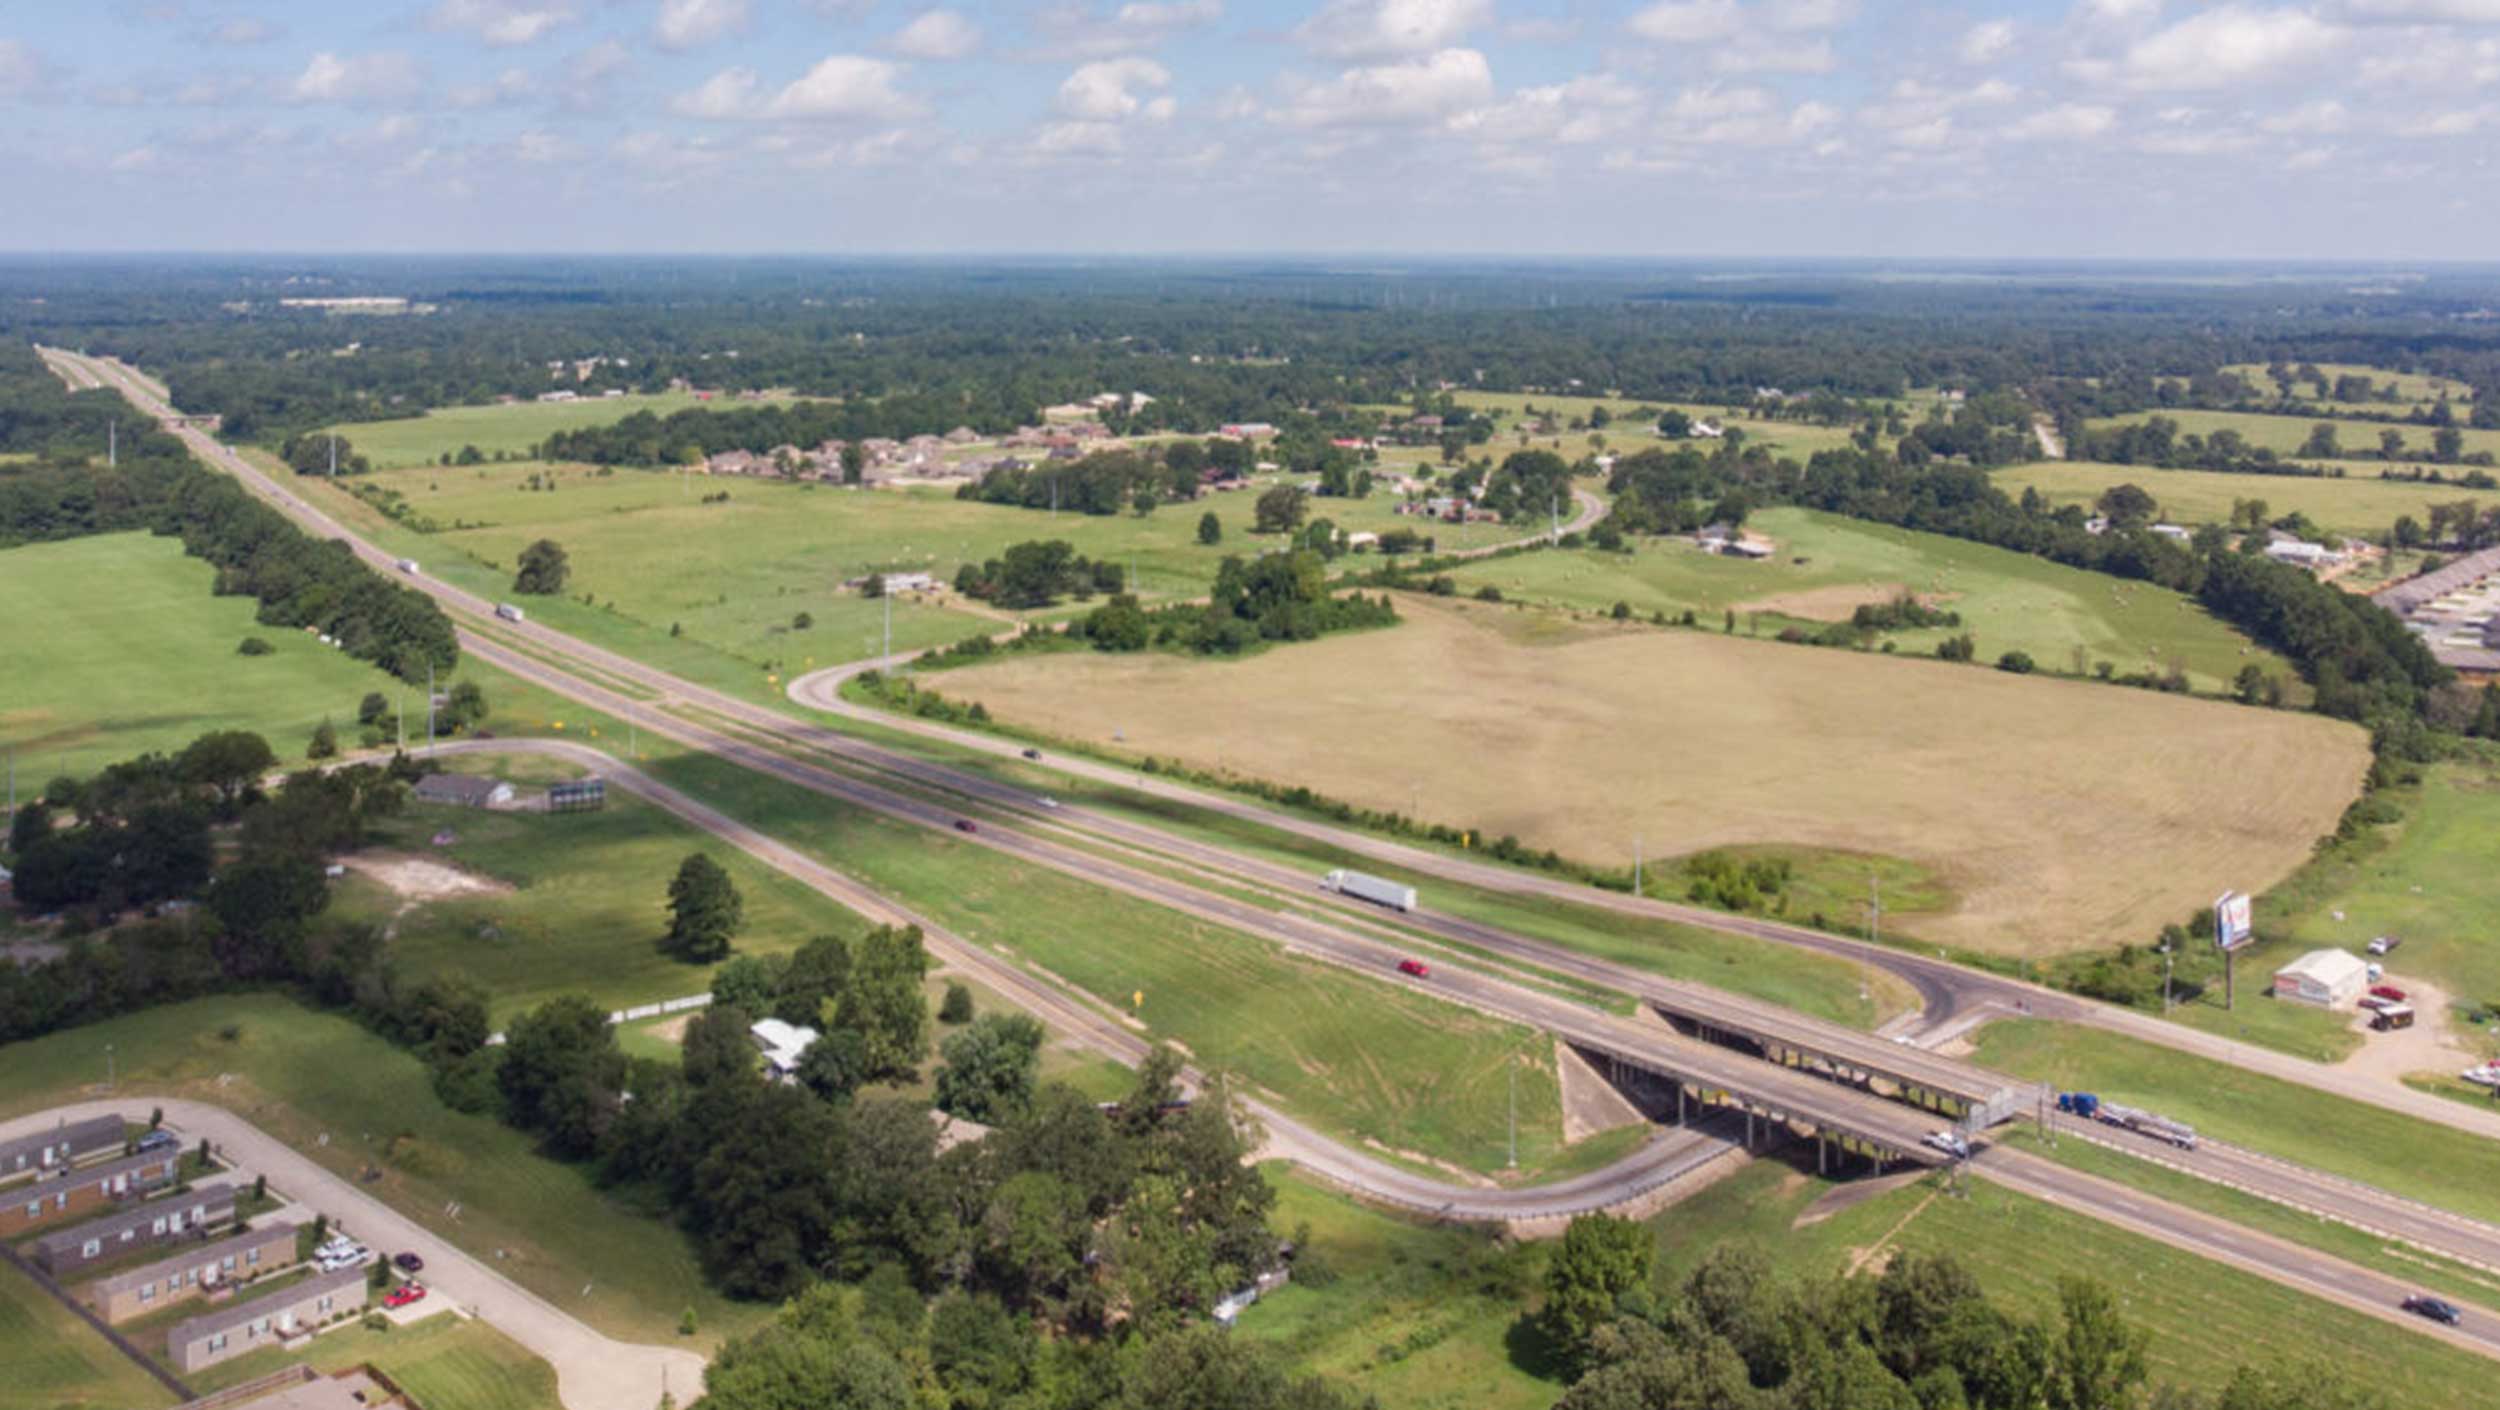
x=2389 y=992
x=1416 y=968
x=404 y=1294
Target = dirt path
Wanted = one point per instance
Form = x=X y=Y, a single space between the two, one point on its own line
x=2052 y=445
x=2428 y=1046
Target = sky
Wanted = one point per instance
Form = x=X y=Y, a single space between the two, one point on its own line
x=2331 y=129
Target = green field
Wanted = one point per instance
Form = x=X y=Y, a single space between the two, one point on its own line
x=115 y=645
x=2412 y=388
x=2284 y=435
x=512 y=429
x=300 y=1075
x=571 y=903
x=50 y=1360
x=2360 y=504
x=1794 y=440
x=2398 y=1153
x=443 y=1362
x=1827 y=565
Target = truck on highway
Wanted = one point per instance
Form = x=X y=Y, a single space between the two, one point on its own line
x=2127 y=1118
x=508 y=612
x=1370 y=888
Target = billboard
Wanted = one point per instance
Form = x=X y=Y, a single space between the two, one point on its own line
x=2231 y=921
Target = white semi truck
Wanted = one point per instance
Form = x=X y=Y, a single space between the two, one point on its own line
x=1370 y=888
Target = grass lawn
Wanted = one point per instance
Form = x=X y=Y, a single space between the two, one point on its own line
x=50 y=1360
x=2285 y=435
x=1417 y=1316
x=1828 y=565
x=1369 y=1060
x=1583 y=737
x=444 y=1363
x=1794 y=440
x=2204 y=1319
x=513 y=429
x=115 y=645
x=301 y=1075
x=565 y=903
x=2361 y=504
x=2435 y=1164
x=2412 y=388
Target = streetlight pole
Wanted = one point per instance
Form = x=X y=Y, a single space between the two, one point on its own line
x=108 y=1066
x=1513 y=1069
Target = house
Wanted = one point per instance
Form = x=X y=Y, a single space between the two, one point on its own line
x=1707 y=430
x=300 y=1387
x=2301 y=554
x=140 y=1226
x=155 y=1286
x=730 y=462
x=241 y=1327
x=60 y=1145
x=907 y=582
x=962 y=436
x=84 y=1189
x=2327 y=978
x=464 y=790
x=2173 y=531
x=1245 y=430
x=782 y=1044
x=1361 y=539
x=559 y=396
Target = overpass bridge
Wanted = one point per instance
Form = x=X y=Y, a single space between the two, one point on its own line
x=1904 y=1071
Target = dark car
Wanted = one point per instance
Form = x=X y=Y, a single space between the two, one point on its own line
x=407 y=1262
x=1416 y=968
x=1032 y=753
x=965 y=825
x=2437 y=1309
x=158 y=1140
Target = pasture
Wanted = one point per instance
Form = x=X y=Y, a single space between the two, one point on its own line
x=2017 y=792
x=1796 y=440
x=511 y=428
x=2412 y=388
x=2284 y=435
x=1826 y=565
x=2360 y=504
x=50 y=1360
x=115 y=645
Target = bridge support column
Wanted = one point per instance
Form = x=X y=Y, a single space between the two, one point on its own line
x=1679 y=1103
x=1822 y=1155
x=1749 y=1128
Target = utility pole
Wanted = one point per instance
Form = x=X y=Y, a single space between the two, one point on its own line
x=108 y=1064
x=1553 y=511
x=403 y=715
x=1513 y=1069
x=334 y=455
x=1875 y=909
x=429 y=706
x=889 y=618
x=2169 y=958
x=113 y=442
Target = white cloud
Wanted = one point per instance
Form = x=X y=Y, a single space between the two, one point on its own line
x=136 y=159
x=2443 y=65
x=1925 y=136
x=938 y=35
x=845 y=86
x=727 y=94
x=2067 y=122
x=22 y=70
x=1419 y=90
x=541 y=148
x=1368 y=29
x=2463 y=122
x=2227 y=46
x=509 y=86
x=689 y=24
x=1687 y=21
x=242 y=30
x=1107 y=90
x=1986 y=43
x=1074 y=31
x=2195 y=144
x=1768 y=54
x=2309 y=159
x=2322 y=116
x=355 y=78
x=2120 y=11
x=501 y=23
x=1590 y=108
x=2427 y=11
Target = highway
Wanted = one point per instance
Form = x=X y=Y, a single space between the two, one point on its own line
x=1788 y=1093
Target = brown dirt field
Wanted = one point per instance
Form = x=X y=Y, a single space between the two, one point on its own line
x=1827 y=604
x=421 y=878
x=2065 y=814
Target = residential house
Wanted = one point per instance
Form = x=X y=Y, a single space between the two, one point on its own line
x=730 y=462
x=155 y=1286
x=1245 y=430
x=60 y=1145
x=84 y=1189
x=2173 y=531
x=2302 y=554
x=144 y=1225
x=782 y=1044
x=1708 y=430
x=962 y=436
x=464 y=790
x=247 y=1326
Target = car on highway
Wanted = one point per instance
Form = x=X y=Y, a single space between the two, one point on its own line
x=1047 y=801
x=2388 y=992
x=1032 y=753
x=2385 y=945
x=1951 y=1143
x=1416 y=968
x=965 y=825
x=2437 y=1309
x=404 y=1294
x=407 y=1262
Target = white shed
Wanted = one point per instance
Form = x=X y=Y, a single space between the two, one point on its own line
x=2330 y=979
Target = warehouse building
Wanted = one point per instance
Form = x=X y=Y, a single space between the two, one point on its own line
x=2331 y=979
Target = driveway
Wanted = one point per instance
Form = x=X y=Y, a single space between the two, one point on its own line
x=593 y=1372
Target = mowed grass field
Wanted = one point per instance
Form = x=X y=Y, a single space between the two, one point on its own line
x=1827 y=565
x=2284 y=435
x=50 y=1360
x=452 y=1362
x=1796 y=440
x=2064 y=815
x=513 y=429
x=2360 y=504
x=113 y=646
x=2412 y=388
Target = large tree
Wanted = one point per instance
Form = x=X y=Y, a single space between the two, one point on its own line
x=704 y=910
x=1601 y=1258
x=544 y=569
x=229 y=763
x=989 y=1069
x=562 y=1074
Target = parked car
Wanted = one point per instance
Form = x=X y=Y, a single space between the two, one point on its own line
x=1416 y=968
x=2384 y=945
x=404 y=1294
x=2389 y=992
x=407 y=1262
x=2373 y=1002
x=2437 y=1309
x=965 y=825
x=1032 y=753
x=157 y=1140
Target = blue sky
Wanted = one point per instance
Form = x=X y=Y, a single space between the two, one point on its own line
x=1890 y=128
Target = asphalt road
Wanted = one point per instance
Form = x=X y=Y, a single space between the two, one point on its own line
x=593 y=1372
x=2285 y=1263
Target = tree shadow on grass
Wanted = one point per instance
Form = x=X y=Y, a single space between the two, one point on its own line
x=1531 y=1350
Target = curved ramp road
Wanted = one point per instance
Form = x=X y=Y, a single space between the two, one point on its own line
x=593 y=1372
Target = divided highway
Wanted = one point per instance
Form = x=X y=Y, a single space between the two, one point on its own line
x=1772 y=1088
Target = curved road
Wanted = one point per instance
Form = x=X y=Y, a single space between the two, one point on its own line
x=593 y=1371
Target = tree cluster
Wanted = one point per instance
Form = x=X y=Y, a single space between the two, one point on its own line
x=1038 y=573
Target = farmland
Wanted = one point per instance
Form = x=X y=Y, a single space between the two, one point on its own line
x=2413 y=389
x=1796 y=440
x=1582 y=738
x=2285 y=434
x=2360 y=504
x=511 y=429
x=1826 y=565
x=98 y=675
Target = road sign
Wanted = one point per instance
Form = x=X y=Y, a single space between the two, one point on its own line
x=2232 y=930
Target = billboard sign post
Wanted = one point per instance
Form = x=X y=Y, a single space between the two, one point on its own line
x=2233 y=932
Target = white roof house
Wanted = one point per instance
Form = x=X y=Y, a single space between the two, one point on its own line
x=783 y=1044
x=2327 y=978
x=2301 y=554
